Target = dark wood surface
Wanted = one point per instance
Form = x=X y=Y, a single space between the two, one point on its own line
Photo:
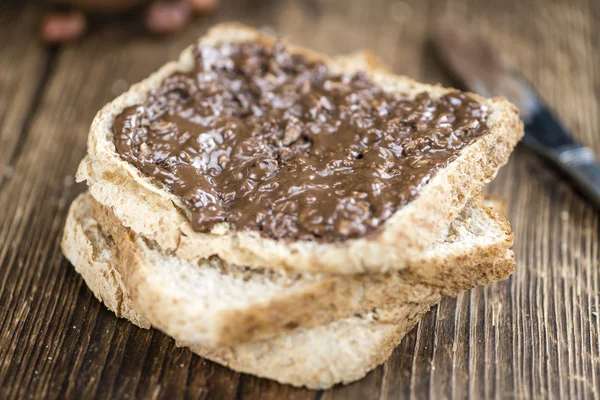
x=534 y=336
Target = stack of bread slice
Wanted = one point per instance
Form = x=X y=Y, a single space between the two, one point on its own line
x=304 y=313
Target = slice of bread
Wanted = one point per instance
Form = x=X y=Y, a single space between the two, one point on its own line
x=152 y=211
x=217 y=304
x=318 y=358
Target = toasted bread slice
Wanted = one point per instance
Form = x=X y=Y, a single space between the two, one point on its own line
x=216 y=304
x=152 y=211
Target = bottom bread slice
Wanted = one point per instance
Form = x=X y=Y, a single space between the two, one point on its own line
x=341 y=351
x=215 y=305
x=319 y=357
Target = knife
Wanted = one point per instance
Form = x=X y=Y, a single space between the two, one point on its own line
x=484 y=70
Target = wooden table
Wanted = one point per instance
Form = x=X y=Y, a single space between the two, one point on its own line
x=534 y=336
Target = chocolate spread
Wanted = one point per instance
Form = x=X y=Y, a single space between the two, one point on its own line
x=275 y=143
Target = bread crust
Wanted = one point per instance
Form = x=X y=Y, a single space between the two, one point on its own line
x=92 y=254
x=152 y=211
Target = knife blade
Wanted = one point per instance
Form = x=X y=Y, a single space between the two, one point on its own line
x=484 y=70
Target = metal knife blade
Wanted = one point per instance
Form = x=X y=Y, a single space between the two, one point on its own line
x=484 y=70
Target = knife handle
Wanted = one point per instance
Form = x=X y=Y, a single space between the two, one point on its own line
x=581 y=166
x=575 y=161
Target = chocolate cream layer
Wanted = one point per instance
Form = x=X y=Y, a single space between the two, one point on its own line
x=272 y=142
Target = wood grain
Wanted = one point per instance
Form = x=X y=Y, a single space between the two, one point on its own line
x=24 y=70
x=534 y=336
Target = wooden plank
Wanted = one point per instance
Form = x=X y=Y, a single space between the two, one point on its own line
x=25 y=65
x=535 y=336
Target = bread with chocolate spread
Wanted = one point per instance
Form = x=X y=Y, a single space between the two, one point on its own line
x=272 y=156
